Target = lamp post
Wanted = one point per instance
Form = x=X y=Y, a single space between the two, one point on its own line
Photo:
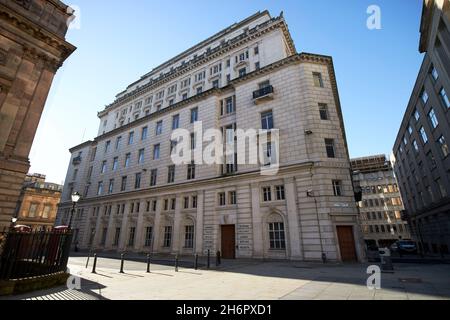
x=13 y=222
x=310 y=194
x=75 y=198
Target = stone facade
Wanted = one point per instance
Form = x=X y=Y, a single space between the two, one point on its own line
x=421 y=149
x=381 y=208
x=32 y=48
x=305 y=216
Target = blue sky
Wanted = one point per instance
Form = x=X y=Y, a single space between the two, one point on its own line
x=119 y=41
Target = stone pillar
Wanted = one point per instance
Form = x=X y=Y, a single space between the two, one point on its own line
x=295 y=244
x=111 y=230
x=199 y=223
x=98 y=232
x=139 y=230
x=157 y=227
x=176 y=244
x=123 y=229
x=87 y=228
x=257 y=222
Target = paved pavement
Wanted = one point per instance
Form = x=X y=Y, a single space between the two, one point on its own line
x=248 y=280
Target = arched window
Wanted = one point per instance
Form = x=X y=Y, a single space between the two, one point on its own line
x=277 y=237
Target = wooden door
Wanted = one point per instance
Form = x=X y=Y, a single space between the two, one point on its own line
x=228 y=242
x=346 y=243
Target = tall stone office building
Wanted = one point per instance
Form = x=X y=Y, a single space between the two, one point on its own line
x=246 y=76
x=422 y=146
x=32 y=48
x=381 y=207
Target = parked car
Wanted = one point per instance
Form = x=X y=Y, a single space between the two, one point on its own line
x=404 y=246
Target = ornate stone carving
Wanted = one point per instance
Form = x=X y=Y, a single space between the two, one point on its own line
x=24 y=3
x=3 y=56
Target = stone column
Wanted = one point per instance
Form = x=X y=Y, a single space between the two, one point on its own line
x=98 y=232
x=139 y=229
x=176 y=244
x=87 y=228
x=199 y=223
x=111 y=230
x=157 y=227
x=123 y=229
x=295 y=244
x=257 y=222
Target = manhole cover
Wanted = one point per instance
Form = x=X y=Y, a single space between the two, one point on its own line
x=410 y=280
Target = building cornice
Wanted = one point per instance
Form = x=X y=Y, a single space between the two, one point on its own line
x=425 y=24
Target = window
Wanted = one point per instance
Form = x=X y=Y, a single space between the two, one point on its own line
x=279 y=190
x=232 y=197
x=444 y=98
x=141 y=156
x=173 y=145
x=171 y=174
x=192 y=141
x=175 y=122
x=185 y=96
x=111 y=186
x=148 y=236
x=116 y=237
x=323 y=109
x=46 y=212
x=137 y=180
x=269 y=154
x=153 y=176
x=194 y=115
x=189 y=237
x=443 y=145
x=221 y=198
x=257 y=66
x=229 y=105
x=186 y=202
x=424 y=96
x=337 y=188
x=423 y=135
x=242 y=72
x=144 y=133
x=191 y=171
x=100 y=188
x=228 y=63
x=267 y=120
x=172 y=204
x=131 y=137
x=410 y=130
x=156 y=151
x=267 y=194
x=131 y=236
x=433 y=119
x=416 y=115
x=256 y=50
x=434 y=73
x=159 y=127
x=215 y=84
x=228 y=78
x=167 y=236
x=103 y=167
x=118 y=140
x=115 y=163
x=405 y=141
x=416 y=146
x=94 y=152
x=127 y=160
x=318 y=82
x=329 y=145
x=32 y=210
x=199 y=90
x=123 y=185
x=154 y=204
x=276 y=236
x=75 y=173
x=171 y=102
x=107 y=145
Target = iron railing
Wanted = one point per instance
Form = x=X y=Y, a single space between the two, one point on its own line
x=264 y=91
x=31 y=254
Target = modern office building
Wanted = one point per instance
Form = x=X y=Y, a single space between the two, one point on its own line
x=32 y=48
x=38 y=202
x=422 y=161
x=381 y=206
x=247 y=76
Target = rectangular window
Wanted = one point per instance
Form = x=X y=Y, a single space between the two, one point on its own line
x=444 y=98
x=191 y=171
x=141 y=156
x=100 y=188
x=194 y=115
x=434 y=73
x=189 y=237
x=215 y=84
x=173 y=145
x=153 y=176
x=267 y=194
x=159 y=127
x=154 y=204
x=337 y=188
x=323 y=109
x=32 y=210
x=416 y=146
x=232 y=197
x=131 y=236
x=172 y=204
x=443 y=146
x=192 y=142
x=116 y=237
x=424 y=96
x=329 y=145
x=156 y=151
x=280 y=193
x=276 y=236
x=242 y=72
x=221 y=198
x=118 y=140
x=127 y=160
x=229 y=105
x=257 y=66
x=186 y=202
x=148 y=236
x=416 y=115
x=256 y=50
x=423 y=135
x=318 y=82
x=123 y=185
x=194 y=201
x=175 y=122
x=131 y=137
x=171 y=174
x=199 y=90
x=103 y=167
x=107 y=145
x=111 y=186
x=115 y=163
x=267 y=120
x=410 y=130
x=433 y=119
x=137 y=180
x=144 y=133
x=104 y=232
x=167 y=236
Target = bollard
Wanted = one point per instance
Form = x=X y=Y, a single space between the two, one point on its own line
x=217 y=258
x=121 y=263
x=176 y=263
x=324 y=257
x=95 y=263
x=196 y=262
x=148 y=263
x=207 y=261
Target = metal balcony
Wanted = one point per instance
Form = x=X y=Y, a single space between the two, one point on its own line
x=265 y=93
x=76 y=160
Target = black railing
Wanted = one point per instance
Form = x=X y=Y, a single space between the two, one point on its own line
x=76 y=160
x=31 y=254
x=264 y=91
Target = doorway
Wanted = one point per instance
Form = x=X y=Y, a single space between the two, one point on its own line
x=346 y=243
x=228 y=241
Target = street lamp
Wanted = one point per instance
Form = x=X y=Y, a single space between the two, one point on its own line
x=13 y=221
x=75 y=198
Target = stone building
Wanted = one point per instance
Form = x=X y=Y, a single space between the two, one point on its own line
x=421 y=149
x=38 y=202
x=32 y=48
x=248 y=76
x=381 y=206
